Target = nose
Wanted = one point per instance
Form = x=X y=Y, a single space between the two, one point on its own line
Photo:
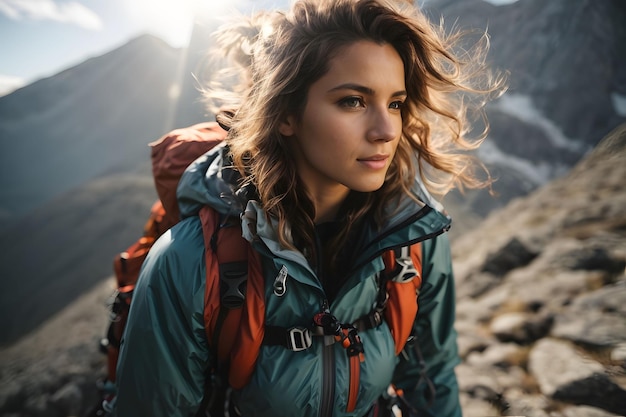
x=384 y=126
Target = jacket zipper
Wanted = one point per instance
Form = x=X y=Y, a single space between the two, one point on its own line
x=328 y=380
x=327 y=400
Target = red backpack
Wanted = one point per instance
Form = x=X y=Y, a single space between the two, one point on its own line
x=234 y=296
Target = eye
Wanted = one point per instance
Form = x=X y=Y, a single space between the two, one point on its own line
x=397 y=105
x=351 y=102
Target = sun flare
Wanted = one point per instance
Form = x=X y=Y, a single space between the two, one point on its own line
x=173 y=20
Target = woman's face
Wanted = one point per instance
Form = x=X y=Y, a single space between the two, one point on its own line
x=349 y=131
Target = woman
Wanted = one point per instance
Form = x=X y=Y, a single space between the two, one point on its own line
x=355 y=108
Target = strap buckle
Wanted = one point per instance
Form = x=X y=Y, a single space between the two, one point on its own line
x=299 y=339
x=352 y=342
x=233 y=281
x=375 y=318
x=405 y=270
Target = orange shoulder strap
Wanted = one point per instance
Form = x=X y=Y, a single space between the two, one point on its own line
x=402 y=304
x=234 y=302
x=251 y=331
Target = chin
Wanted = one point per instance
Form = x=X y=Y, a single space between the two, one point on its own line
x=368 y=188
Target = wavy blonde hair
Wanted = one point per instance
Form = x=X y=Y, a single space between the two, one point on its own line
x=283 y=54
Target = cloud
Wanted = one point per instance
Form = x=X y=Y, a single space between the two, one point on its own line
x=8 y=84
x=66 y=12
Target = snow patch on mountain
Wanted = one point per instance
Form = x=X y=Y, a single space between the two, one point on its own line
x=619 y=103
x=538 y=173
x=500 y=2
x=521 y=107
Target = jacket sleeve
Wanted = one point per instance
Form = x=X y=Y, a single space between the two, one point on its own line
x=435 y=338
x=164 y=351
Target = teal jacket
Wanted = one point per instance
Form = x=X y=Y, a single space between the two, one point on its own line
x=165 y=355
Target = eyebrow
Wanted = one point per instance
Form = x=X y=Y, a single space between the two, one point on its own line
x=363 y=89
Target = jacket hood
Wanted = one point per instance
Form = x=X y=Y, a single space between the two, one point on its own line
x=211 y=180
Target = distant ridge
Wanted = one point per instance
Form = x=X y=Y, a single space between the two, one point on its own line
x=94 y=118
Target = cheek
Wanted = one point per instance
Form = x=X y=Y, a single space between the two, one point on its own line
x=324 y=130
x=396 y=147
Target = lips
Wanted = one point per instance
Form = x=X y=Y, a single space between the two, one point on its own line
x=375 y=161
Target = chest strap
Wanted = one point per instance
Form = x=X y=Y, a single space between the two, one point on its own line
x=299 y=338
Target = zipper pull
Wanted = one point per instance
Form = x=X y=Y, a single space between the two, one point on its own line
x=280 y=282
x=328 y=323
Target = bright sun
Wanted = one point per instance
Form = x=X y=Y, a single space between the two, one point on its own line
x=172 y=20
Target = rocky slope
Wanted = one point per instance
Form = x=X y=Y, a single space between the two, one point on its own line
x=542 y=297
x=64 y=248
x=52 y=372
x=541 y=305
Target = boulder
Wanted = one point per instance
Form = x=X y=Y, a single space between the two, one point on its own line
x=591 y=327
x=557 y=364
x=595 y=318
x=593 y=258
x=520 y=327
x=566 y=375
x=500 y=355
x=597 y=390
x=513 y=254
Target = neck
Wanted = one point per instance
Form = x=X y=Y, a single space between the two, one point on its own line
x=327 y=204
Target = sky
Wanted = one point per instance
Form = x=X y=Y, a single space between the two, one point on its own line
x=39 y=38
